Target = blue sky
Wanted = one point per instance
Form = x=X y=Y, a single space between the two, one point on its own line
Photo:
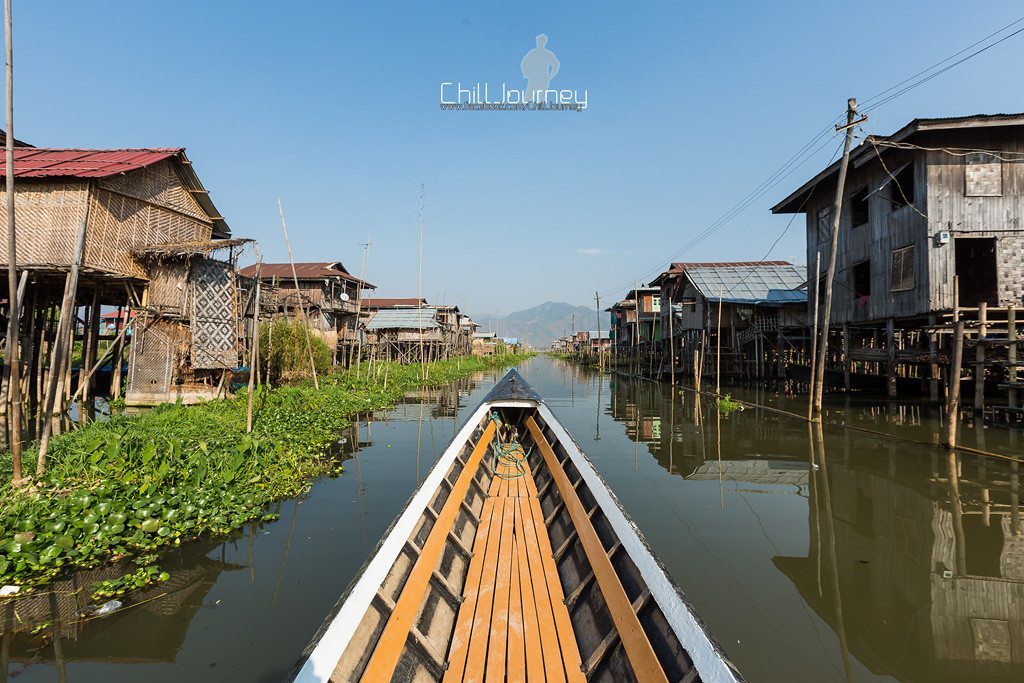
x=334 y=107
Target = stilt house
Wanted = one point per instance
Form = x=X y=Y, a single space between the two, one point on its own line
x=148 y=229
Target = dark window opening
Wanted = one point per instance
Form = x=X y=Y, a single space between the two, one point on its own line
x=860 y=279
x=859 y=207
x=901 y=188
x=984 y=546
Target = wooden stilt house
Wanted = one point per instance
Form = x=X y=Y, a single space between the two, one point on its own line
x=133 y=224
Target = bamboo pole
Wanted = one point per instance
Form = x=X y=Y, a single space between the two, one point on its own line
x=953 y=403
x=84 y=377
x=298 y=293
x=254 y=352
x=123 y=315
x=814 y=337
x=13 y=371
x=63 y=344
x=718 y=348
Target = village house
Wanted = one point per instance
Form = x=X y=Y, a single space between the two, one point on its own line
x=327 y=292
x=142 y=233
x=761 y=305
x=930 y=224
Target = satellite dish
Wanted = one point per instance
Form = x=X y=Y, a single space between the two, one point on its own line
x=344 y=296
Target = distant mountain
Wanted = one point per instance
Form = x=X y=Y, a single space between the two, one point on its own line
x=539 y=325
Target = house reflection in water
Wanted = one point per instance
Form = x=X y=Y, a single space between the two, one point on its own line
x=53 y=627
x=930 y=566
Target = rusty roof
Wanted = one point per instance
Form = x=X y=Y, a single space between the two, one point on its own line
x=318 y=270
x=380 y=302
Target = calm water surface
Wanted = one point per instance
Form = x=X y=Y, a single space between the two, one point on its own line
x=810 y=556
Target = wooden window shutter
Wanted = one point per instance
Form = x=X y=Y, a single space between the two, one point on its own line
x=901 y=276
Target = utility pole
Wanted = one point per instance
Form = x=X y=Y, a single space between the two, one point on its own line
x=13 y=361
x=597 y=305
x=837 y=208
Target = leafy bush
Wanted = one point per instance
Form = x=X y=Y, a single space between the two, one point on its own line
x=283 y=343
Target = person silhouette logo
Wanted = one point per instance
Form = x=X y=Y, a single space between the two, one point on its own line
x=539 y=66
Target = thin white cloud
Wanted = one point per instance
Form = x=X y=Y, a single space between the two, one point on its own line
x=590 y=251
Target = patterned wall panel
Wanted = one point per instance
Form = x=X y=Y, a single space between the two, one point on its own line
x=214 y=327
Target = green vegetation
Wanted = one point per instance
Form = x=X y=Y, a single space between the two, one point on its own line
x=133 y=485
x=283 y=347
x=727 y=405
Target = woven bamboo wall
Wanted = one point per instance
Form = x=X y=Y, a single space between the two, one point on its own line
x=141 y=208
x=169 y=287
x=48 y=214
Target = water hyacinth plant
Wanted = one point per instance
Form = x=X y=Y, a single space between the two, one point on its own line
x=133 y=485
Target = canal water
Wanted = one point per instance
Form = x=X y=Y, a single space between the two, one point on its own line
x=836 y=554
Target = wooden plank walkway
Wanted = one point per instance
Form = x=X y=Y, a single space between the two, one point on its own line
x=513 y=624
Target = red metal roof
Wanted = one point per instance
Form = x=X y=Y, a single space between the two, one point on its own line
x=393 y=302
x=304 y=271
x=34 y=162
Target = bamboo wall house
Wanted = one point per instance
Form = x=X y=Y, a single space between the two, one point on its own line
x=123 y=228
x=327 y=294
x=930 y=233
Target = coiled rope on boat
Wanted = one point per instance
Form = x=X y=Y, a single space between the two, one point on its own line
x=507 y=451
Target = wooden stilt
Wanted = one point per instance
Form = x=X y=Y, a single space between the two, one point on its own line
x=890 y=363
x=979 y=358
x=953 y=403
x=63 y=344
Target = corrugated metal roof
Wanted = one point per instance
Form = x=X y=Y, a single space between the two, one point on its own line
x=404 y=319
x=744 y=283
x=40 y=162
x=796 y=201
x=304 y=271
x=33 y=162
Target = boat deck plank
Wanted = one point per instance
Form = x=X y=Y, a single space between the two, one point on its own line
x=513 y=623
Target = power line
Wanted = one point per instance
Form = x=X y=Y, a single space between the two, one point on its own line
x=800 y=157
x=867 y=103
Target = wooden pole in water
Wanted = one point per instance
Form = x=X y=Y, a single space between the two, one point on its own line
x=819 y=380
x=953 y=403
x=254 y=352
x=814 y=337
x=597 y=306
x=13 y=362
x=298 y=293
x=718 y=348
x=63 y=344
x=1011 y=354
x=979 y=358
x=671 y=341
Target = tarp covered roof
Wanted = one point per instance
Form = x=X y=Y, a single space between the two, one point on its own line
x=751 y=284
x=404 y=319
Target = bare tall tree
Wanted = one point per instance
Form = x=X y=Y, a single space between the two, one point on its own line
x=14 y=306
